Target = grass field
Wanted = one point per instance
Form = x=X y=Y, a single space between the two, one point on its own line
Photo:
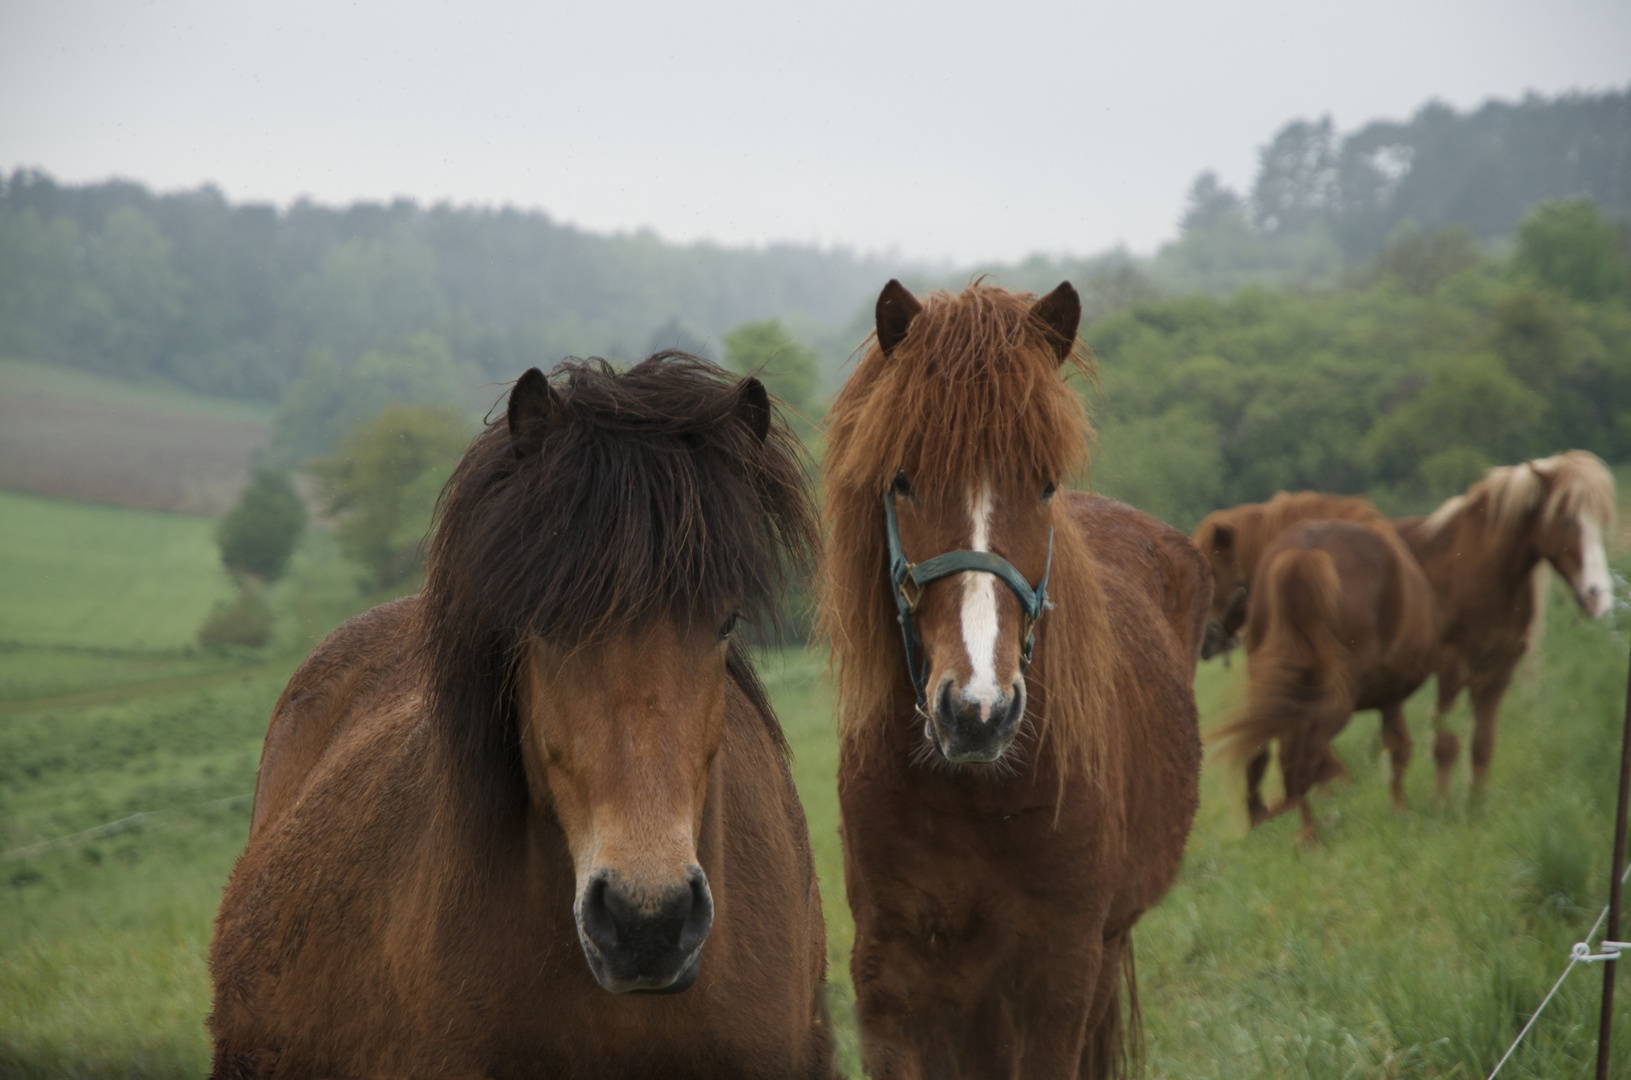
x=1405 y=946
x=92 y=577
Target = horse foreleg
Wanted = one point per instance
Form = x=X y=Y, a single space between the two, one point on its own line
x=1057 y=1008
x=1446 y=746
x=1396 y=737
x=1255 y=769
x=1331 y=771
x=884 y=1007
x=1486 y=697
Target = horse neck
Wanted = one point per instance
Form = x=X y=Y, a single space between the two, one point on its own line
x=1493 y=557
x=1252 y=536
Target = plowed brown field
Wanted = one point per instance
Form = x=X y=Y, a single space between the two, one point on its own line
x=138 y=455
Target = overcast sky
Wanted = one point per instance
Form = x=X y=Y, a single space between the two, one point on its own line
x=969 y=131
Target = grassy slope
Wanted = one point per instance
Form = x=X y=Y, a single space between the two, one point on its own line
x=1405 y=946
x=93 y=577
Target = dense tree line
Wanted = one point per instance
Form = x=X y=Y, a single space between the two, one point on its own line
x=244 y=300
x=1433 y=365
x=240 y=300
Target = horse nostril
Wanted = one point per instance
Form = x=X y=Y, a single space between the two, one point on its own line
x=699 y=916
x=599 y=925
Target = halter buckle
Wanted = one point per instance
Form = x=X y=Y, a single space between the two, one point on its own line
x=912 y=597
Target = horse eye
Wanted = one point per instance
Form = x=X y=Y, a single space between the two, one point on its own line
x=1047 y=492
x=730 y=624
x=903 y=486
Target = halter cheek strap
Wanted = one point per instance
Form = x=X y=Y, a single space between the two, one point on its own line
x=909 y=580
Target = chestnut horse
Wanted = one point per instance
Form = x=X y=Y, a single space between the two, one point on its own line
x=1233 y=541
x=499 y=827
x=1341 y=619
x=1019 y=754
x=1486 y=553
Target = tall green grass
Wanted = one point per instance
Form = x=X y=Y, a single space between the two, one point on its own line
x=95 y=577
x=1409 y=945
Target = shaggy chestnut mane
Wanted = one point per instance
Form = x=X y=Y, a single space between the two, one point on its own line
x=974 y=391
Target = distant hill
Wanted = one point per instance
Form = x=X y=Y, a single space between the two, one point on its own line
x=242 y=300
x=1323 y=202
x=234 y=299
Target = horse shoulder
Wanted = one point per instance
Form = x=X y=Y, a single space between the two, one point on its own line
x=1163 y=562
x=1416 y=626
x=768 y=895
x=322 y=696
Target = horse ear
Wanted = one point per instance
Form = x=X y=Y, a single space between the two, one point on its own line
x=1223 y=537
x=1060 y=312
x=534 y=408
x=896 y=309
x=753 y=408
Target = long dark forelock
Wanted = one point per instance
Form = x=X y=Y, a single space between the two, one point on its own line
x=648 y=498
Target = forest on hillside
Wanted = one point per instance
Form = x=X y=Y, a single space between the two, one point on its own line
x=1387 y=311
x=1436 y=361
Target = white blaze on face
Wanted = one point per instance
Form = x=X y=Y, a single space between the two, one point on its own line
x=980 y=611
x=1593 y=572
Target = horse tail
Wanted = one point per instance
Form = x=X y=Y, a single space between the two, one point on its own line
x=1115 y=1046
x=1296 y=676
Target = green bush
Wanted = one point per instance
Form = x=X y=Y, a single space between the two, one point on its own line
x=382 y=482
x=258 y=535
x=246 y=621
x=1569 y=246
x=789 y=370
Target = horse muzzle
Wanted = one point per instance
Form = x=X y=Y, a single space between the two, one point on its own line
x=1217 y=641
x=640 y=941
x=968 y=731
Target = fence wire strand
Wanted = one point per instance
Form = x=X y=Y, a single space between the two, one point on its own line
x=1547 y=1000
x=115 y=827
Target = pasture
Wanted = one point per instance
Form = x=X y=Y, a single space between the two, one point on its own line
x=1405 y=946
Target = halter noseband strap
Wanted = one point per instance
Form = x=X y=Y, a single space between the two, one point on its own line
x=910 y=579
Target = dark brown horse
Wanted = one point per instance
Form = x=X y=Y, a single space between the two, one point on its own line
x=501 y=825
x=1486 y=554
x=1004 y=825
x=1341 y=618
x=1233 y=541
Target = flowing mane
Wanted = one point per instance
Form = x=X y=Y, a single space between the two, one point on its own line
x=1574 y=482
x=973 y=392
x=648 y=498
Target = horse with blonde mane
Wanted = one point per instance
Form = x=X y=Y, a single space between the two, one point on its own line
x=538 y=820
x=1486 y=553
x=1233 y=540
x=1019 y=757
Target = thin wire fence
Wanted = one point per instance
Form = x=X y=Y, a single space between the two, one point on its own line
x=1580 y=953
x=114 y=827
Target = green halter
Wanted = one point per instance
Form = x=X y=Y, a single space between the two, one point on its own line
x=1031 y=601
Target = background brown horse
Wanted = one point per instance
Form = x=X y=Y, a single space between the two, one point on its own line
x=550 y=776
x=1233 y=541
x=994 y=899
x=1486 y=554
x=1341 y=618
